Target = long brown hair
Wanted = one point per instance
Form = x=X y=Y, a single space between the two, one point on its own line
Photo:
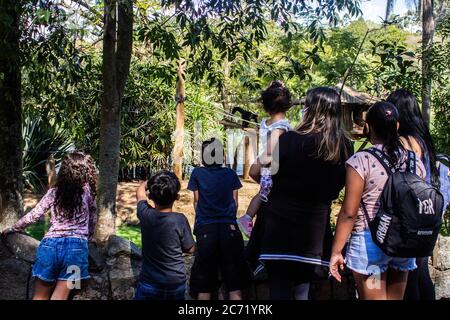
x=323 y=115
x=74 y=174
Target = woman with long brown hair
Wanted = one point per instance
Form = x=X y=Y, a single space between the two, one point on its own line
x=62 y=256
x=308 y=167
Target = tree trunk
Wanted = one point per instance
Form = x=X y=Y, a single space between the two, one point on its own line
x=427 y=45
x=11 y=185
x=389 y=8
x=117 y=48
x=179 y=128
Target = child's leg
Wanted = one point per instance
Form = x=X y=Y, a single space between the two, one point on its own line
x=61 y=291
x=235 y=295
x=265 y=184
x=42 y=289
x=233 y=265
x=204 y=296
x=204 y=272
x=371 y=287
x=396 y=284
x=246 y=221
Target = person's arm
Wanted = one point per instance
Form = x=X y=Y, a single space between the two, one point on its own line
x=266 y=157
x=193 y=186
x=141 y=192
x=190 y=251
x=196 y=195
x=34 y=215
x=354 y=187
x=255 y=171
x=236 y=198
x=187 y=240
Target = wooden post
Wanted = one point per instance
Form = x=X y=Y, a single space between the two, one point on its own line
x=51 y=171
x=246 y=157
x=250 y=141
x=179 y=129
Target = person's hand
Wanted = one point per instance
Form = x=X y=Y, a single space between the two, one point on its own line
x=336 y=264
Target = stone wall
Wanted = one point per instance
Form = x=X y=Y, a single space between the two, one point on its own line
x=115 y=268
x=440 y=268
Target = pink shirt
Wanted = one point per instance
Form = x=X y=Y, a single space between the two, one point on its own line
x=375 y=177
x=80 y=225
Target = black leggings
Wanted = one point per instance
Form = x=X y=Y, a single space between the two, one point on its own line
x=284 y=276
x=419 y=285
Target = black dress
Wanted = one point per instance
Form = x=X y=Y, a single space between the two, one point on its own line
x=294 y=222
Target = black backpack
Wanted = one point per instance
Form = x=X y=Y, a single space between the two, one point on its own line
x=410 y=215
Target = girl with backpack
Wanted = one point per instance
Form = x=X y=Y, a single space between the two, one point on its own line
x=62 y=256
x=377 y=275
x=415 y=136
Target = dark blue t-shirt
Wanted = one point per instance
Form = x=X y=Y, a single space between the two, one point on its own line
x=215 y=186
x=165 y=235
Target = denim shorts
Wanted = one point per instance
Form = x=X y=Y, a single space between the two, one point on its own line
x=61 y=259
x=365 y=257
x=147 y=291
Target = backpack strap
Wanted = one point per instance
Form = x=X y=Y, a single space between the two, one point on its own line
x=381 y=157
x=411 y=164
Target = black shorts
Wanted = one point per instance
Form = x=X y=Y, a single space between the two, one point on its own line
x=220 y=248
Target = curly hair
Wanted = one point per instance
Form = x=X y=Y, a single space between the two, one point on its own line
x=74 y=174
x=92 y=175
x=276 y=98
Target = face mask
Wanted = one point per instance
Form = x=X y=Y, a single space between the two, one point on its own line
x=304 y=110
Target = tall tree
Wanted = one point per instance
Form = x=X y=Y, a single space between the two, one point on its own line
x=117 y=48
x=179 y=129
x=11 y=185
x=427 y=51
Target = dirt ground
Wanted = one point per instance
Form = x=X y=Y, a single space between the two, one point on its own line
x=126 y=201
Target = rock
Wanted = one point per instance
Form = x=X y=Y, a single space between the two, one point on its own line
x=117 y=246
x=14 y=279
x=123 y=277
x=22 y=246
x=96 y=258
x=442 y=284
x=443 y=253
x=97 y=288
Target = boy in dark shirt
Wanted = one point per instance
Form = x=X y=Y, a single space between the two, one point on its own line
x=166 y=235
x=220 y=246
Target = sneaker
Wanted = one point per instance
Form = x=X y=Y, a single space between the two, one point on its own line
x=246 y=224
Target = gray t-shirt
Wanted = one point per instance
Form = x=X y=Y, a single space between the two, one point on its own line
x=165 y=235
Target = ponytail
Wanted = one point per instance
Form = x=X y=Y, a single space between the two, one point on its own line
x=382 y=118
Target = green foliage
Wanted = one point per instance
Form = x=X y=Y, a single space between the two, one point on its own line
x=441 y=82
x=131 y=233
x=40 y=140
x=38 y=229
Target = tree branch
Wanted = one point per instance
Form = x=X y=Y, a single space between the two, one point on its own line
x=88 y=7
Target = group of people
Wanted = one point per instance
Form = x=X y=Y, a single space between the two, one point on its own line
x=300 y=171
